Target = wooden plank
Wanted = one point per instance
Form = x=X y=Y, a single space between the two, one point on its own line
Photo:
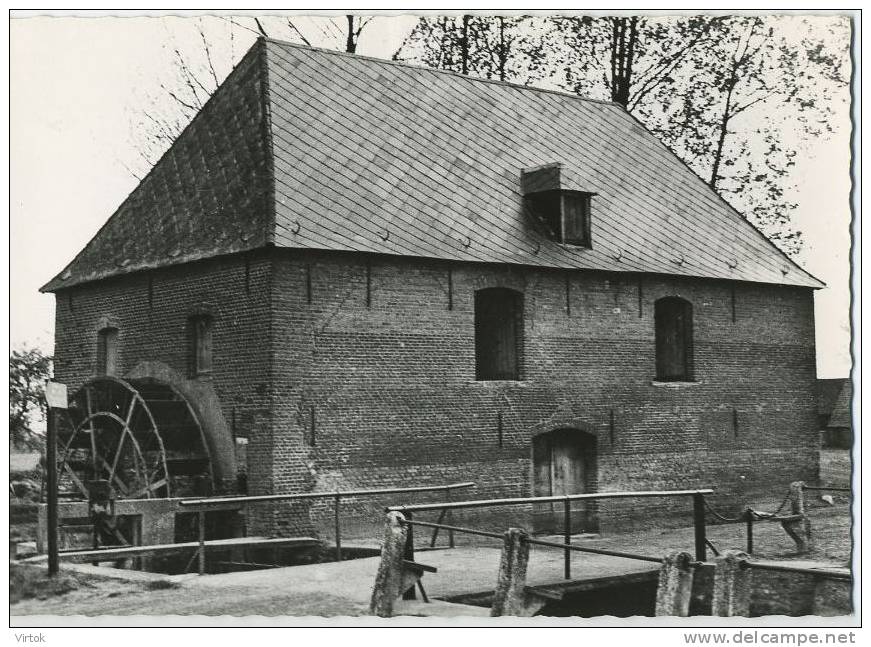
x=415 y=566
x=107 y=554
x=596 y=583
x=548 y=593
x=248 y=565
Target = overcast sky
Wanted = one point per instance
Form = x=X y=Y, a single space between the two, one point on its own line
x=77 y=84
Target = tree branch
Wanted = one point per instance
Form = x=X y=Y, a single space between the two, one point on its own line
x=178 y=99
x=739 y=109
x=298 y=32
x=208 y=54
x=260 y=27
x=238 y=24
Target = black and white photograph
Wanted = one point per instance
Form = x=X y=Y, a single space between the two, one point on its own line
x=467 y=318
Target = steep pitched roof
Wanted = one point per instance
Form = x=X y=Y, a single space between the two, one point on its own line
x=208 y=195
x=367 y=155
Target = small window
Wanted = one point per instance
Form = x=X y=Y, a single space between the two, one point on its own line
x=201 y=345
x=674 y=340
x=107 y=351
x=498 y=334
x=565 y=213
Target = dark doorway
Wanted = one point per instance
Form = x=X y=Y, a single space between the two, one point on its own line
x=564 y=462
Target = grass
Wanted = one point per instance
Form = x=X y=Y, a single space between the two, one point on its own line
x=27 y=581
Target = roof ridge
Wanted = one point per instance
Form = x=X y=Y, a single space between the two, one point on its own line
x=425 y=68
x=268 y=141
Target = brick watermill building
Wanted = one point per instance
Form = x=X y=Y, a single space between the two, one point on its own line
x=348 y=273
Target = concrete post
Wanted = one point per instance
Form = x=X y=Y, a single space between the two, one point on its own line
x=42 y=529
x=388 y=581
x=732 y=585
x=800 y=529
x=797 y=495
x=509 y=598
x=675 y=586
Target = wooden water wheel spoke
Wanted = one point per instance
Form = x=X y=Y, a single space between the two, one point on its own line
x=91 y=425
x=76 y=480
x=133 y=402
x=153 y=477
x=114 y=465
x=137 y=456
x=114 y=478
x=124 y=434
x=151 y=487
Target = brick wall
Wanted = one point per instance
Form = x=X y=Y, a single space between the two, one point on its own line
x=375 y=386
x=386 y=384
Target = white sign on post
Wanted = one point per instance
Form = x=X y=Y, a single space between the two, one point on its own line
x=56 y=395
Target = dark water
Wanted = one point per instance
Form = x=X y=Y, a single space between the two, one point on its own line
x=637 y=599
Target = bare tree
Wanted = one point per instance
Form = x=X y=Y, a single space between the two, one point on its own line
x=631 y=56
x=692 y=80
x=197 y=74
x=508 y=48
x=355 y=26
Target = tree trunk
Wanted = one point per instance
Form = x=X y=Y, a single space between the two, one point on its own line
x=351 y=42
x=615 y=44
x=503 y=54
x=464 y=46
x=721 y=139
x=622 y=58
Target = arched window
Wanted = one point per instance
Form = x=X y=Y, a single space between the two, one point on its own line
x=674 y=340
x=498 y=334
x=200 y=331
x=107 y=351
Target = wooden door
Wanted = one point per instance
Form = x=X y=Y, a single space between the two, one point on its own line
x=563 y=461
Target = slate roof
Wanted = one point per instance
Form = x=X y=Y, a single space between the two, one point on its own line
x=309 y=148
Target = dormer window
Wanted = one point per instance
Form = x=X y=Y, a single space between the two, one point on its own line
x=554 y=199
x=565 y=213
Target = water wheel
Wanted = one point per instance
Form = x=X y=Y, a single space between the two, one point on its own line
x=141 y=436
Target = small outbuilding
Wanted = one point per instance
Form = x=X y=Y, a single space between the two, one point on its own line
x=835 y=399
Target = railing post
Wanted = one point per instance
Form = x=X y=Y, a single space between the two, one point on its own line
x=409 y=553
x=675 y=586
x=732 y=585
x=509 y=598
x=201 y=530
x=51 y=490
x=338 y=498
x=567 y=538
x=435 y=532
x=748 y=518
x=388 y=581
x=450 y=517
x=699 y=526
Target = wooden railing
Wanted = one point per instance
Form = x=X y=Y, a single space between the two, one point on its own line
x=203 y=505
x=698 y=497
